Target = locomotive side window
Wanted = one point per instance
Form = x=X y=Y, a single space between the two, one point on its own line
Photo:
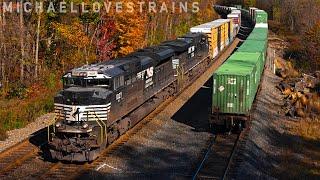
x=118 y=82
x=74 y=82
x=128 y=80
x=104 y=82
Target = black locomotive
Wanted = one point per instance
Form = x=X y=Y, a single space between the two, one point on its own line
x=100 y=102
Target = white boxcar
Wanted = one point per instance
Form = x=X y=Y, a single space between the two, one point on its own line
x=238 y=12
x=236 y=23
x=218 y=34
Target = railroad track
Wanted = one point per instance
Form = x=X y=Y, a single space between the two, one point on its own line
x=238 y=158
x=15 y=156
x=217 y=158
x=223 y=156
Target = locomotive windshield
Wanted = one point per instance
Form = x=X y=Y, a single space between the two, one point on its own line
x=82 y=82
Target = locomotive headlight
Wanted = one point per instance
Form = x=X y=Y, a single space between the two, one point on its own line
x=58 y=124
x=83 y=74
x=85 y=125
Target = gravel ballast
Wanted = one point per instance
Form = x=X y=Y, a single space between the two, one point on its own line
x=164 y=148
x=17 y=135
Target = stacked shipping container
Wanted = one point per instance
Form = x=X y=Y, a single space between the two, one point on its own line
x=219 y=34
x=236 y=82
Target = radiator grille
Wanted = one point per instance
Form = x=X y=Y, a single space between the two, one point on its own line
x=82 y=113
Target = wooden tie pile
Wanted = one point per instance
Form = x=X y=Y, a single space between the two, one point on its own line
x=301 y=92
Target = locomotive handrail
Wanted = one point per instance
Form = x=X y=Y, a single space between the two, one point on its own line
x=103 y=133
x=101 y=136
x=105 y=128
x=53 y=127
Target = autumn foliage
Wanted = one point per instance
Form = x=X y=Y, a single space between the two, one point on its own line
x=37 y=48
x=106 y=40
x=312 y=42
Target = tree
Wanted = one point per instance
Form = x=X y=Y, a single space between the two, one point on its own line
x=312 y=45
x=130 y=31
x=105 y=38
x=37 y=46
x=74 y=41
x=22 y=44
x=250 y=3
x=2 y=45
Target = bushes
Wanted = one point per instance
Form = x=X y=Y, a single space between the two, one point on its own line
x=17 y=113
x=3 y=134
x=17 y=90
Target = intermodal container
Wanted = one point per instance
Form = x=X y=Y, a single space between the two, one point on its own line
x=235 y=21
x=238 y=6
x=261 y=17
x=225 y=31
x=254 y=46
x=233 y=88
x=217 y=32
x=259 y=34
x=252 y=59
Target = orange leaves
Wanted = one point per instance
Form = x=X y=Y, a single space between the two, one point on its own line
x=131 y=30
x=73 y=34
x=314 y=33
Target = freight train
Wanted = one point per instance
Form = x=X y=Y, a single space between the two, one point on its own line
x=100 y=102
x=236 y=82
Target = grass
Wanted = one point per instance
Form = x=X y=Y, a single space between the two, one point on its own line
x=299 y=165
x=300 y=158
x=308 y=129
x=18 y=113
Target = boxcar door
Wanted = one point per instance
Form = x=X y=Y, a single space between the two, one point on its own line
x=229 y=31
x=219 y=39
x=241 y=96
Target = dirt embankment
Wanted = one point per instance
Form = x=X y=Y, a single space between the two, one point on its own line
x=280 y=146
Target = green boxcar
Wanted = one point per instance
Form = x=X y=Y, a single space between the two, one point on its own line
x=254 y=46
x=261 y=16
x=233 y=88
x=252 y=59
x=260 y=30
x=260 y=34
